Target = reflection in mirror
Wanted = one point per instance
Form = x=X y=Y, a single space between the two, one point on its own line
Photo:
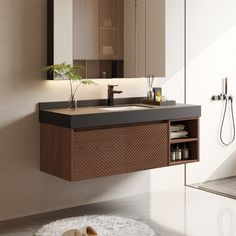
x=109 y=38
x=151 y=31
x=100 y=37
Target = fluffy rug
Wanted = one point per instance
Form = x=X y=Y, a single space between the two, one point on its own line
x=105 y=225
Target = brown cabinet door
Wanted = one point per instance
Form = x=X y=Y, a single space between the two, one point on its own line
x=112 y=151
x=98 y=153
x=146 y=147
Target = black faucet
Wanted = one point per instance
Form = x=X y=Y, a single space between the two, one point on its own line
x=110 y=94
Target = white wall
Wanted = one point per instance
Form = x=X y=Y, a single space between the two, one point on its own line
x=211 y=54
x=173 y=84
x=24 y=189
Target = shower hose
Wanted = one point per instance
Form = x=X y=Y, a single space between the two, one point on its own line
x=227 y=99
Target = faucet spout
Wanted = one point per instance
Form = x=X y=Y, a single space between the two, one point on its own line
x=110 y=94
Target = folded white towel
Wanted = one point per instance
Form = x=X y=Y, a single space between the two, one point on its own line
x=178 y=127
x=179 y=134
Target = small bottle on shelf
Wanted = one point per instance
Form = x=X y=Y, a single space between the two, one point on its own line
x=158 y=96
x=185 y=152
x=178 y=153
x=172 y=153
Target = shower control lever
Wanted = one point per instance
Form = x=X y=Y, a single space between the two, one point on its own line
x=214 y=98
x=218 y=97
x=221 y=97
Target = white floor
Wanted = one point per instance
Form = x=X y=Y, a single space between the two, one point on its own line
x=193 y=212
x=175 y=212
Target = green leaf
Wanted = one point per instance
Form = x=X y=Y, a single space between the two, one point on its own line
x=67 y=71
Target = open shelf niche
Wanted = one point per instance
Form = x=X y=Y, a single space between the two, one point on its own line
x=191 y=141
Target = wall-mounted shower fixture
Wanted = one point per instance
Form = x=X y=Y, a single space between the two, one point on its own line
x=226 y=98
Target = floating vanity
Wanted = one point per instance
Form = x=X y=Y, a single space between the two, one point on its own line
x=96 y=140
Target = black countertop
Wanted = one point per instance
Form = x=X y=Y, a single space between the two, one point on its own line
x=91 y=114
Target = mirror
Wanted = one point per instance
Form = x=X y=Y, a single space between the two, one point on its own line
x=109 y=38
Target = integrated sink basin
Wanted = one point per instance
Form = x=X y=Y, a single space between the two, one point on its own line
x=123 y=108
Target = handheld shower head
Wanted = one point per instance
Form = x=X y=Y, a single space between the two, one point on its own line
x=226 y=86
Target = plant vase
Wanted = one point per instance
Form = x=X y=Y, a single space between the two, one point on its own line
x=73 y=103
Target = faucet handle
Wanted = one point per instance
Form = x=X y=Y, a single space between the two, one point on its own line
x=110 y=86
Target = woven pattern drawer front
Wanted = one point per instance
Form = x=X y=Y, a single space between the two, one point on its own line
x=146 y=147
x=111 y=151
x=98 y=153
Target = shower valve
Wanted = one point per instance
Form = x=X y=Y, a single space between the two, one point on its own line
x=222 y=97
x=218 y=97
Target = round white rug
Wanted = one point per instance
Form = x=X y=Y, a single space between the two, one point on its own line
x=105 y=225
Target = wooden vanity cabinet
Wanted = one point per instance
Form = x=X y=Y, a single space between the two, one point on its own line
x=78 y=154
x=75 y=155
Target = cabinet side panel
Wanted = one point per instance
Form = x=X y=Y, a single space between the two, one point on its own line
x=55 y=150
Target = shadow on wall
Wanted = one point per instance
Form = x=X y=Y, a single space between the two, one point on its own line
x=211 y=57
x=19 y=165
x=25 y=189
x=24 y=44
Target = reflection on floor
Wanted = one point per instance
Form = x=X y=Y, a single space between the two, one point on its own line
x=176 y=212
x=225 y=187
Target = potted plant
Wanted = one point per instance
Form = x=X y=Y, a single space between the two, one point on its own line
x=67 y=71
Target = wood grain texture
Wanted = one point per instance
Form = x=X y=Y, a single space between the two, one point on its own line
x=98 y=153
x=84 y=154
x=146 y=146
x=78 y=154
x=55 y=150
x=120 y=150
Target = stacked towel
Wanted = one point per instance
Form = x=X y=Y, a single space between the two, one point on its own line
x=179 y=134
x=176 y=128
x=177 y=131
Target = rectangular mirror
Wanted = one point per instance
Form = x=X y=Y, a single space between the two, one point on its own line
x=108 y=38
